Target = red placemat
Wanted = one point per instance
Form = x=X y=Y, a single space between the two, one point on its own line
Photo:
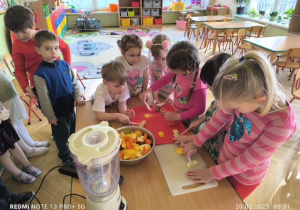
x=157 y=123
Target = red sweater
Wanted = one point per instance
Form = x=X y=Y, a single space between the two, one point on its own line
x=27 y=60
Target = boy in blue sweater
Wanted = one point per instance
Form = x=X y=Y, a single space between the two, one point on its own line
x=57 y=90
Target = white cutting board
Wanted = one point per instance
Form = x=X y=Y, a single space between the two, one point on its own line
x=174 y=168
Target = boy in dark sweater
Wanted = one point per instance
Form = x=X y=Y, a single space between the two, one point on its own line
x=57 y=90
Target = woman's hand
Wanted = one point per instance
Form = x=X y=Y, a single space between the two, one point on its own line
x=201 y=176
x=189 y=148
x=171 y=116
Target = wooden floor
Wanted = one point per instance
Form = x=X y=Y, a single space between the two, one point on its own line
x=279 y=190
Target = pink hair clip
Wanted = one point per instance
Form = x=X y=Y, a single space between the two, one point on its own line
x=149 y=44
x=165 y=44
x=233 y=77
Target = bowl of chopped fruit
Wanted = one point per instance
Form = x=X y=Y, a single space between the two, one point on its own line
x=136 y=144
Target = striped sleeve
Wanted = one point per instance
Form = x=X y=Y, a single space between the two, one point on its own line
x=213 y=126
x=257 y=153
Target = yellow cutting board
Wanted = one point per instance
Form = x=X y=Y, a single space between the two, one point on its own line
x=174 y=168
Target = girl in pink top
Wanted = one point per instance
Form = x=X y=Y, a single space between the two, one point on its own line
x=158 y=50
x=263 y=120
x=190 y=93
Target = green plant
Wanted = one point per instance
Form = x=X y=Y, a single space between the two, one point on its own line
x=289 y=13
x=240 y=2
x=262 y=12
x=253 y=13
x=273 y=14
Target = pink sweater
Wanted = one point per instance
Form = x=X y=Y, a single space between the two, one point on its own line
x=248 y=158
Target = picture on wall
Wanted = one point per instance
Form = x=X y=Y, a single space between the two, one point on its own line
x=3 y=6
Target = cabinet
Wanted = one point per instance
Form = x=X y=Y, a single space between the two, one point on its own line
x=294 y=26
x=52 y=16
x=210 y=10
x=140 y=13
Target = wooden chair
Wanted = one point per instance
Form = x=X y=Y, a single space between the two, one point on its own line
x=8 y=60
x=241 y=34
x=225 y=20
x=207 y=38
x=226 y=38
x=296 y=87
x=256 y=31
x=10 y=65
x=190 y=27
x=291 y=61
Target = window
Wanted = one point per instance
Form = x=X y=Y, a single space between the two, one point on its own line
x=90 y=5
x=273 y=5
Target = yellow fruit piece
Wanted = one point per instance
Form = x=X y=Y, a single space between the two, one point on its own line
x=124 y=145
x=126 y=157
x=161 y=134
x=129 y=152
x=179 y=150
x=121 y=134
x=148 y=115
x=137 y=147
x=138 y=133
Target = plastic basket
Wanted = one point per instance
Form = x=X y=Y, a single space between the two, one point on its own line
x=125 y=21
x=113 y=7
x=131 y=12
x=135 y=4
x=177 y=5
x=148 y=21
x=157 y=21
x=180 y=24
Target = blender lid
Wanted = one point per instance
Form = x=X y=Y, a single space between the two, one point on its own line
x=92 y=142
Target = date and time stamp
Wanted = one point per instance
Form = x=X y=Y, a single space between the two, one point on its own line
x=267 y=206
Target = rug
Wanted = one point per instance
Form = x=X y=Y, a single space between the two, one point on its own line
x=90 y=50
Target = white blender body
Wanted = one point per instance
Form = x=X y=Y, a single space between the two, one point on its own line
x=95 y=152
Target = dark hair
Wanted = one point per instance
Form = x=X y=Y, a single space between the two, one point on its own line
x=184 y=56
x=18 y=18
x=130 y=41
x=114 y=71
x=42 y=36
x=211 y=68
x=157 y=44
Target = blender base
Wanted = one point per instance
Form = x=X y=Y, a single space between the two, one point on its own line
x=125 y=204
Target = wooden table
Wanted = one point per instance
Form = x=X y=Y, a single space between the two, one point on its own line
x=275 y=45
x=219 y=27
x=144 y=186
x=200 y=19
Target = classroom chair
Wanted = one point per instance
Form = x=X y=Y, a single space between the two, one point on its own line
x=226 y=38
x=256 y=32
x=208 y=38
x=291 y=61
x=241 y=34
x=10 y=65
x=296 y=87
x=190 y=28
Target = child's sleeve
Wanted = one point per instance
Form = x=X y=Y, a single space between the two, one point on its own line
x=44 y=99
x=259 y=153
x=20 y=70
x=65 y=50
x=125 y=95
x=162 y=82
x=198 y=99
x=99 y=102
x=213 y=126
x=76 y=89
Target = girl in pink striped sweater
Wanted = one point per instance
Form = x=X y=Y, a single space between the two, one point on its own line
x=263 y=120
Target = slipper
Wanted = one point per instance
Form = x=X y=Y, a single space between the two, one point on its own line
x=24 y=178
x=36 y=151
x=30 y=169
x=42 y=144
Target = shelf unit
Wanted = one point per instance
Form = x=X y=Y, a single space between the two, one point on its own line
x=56 y=21
x=294 y=26
x=140 y=16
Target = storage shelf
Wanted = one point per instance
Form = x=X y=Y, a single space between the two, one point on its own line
x=128 y=7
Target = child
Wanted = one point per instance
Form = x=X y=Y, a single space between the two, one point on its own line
x=158 y=50
x=207 y=75
x=25 y=57
x=11 y=101
x=113 y=90
x=190 y=93
x=8 y=145
x=135 y=64
x=263 y=120
x=57 y=90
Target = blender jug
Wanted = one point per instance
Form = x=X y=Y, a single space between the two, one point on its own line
x=95 y=151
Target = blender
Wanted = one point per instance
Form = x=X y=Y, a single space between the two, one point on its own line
x=95 y=152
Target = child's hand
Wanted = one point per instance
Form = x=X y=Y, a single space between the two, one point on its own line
x=171 y=116
x=169 y=101
x=183 y=139
x=144 y=95
x=30 y=92
x=194 y=125
x=53 y=122
x=201 y=176
x=189 y=148
x=130 y=113
x=79 y=102
x=124 y=119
